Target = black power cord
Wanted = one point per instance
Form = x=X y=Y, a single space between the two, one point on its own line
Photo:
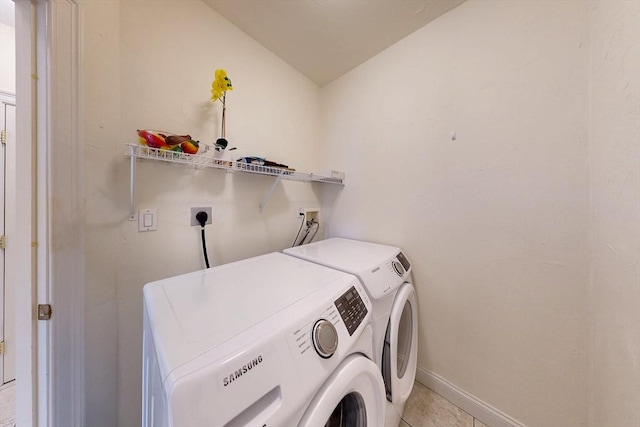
x=299 y=230
x=202 y=219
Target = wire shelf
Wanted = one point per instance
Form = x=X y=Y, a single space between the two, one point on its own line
x=284 y=173
x=200 y=160
x=196 y=160
x=137 y=151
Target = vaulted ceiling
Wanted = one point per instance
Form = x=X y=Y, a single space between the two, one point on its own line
x=324 y=39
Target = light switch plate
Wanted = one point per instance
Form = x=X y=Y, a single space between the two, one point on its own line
x=147 y=220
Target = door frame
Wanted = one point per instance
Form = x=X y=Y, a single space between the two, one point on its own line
x=7 y=311
x=48 y=249
x=61 y=230
x=19 y=257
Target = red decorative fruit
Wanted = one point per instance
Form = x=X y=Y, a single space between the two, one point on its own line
x=152 y=138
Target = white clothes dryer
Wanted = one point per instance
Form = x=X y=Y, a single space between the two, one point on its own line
x=385 y=273
x=270 y=341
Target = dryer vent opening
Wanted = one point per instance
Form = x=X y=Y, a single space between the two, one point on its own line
x=350 y=412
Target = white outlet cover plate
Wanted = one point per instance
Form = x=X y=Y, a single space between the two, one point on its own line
x=194 y=212
x=147 y=219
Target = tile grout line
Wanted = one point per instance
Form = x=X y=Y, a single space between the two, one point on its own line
x=406 y=422
x=473 y=419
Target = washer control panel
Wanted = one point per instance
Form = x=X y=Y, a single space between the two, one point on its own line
x=325 y=338
x=303 y=335
x=399 y=264
x=351 y=309
x=404 y=261
x=335 y=326
x=399 y=269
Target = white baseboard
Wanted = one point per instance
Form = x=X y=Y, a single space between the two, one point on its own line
x=465 y=401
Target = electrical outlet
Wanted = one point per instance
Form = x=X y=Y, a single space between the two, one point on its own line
x=194 y=212
x=310 y=213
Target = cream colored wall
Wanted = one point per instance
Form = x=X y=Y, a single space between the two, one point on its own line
x=615 y=227
x=495 y=222
x=149 y=64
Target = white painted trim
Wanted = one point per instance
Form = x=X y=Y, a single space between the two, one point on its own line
x=8 y=309
x=42 y=251
x=19 y=219
x=62 y=180
x=465 y=401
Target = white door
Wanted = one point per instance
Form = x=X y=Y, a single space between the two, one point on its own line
x=7 y=359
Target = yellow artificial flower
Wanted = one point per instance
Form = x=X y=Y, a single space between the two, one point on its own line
x=220 y=85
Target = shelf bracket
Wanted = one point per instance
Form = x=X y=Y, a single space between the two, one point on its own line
x=132 y=186
x=267 y=196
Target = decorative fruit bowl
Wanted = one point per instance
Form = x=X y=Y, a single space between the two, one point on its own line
x=168 y=141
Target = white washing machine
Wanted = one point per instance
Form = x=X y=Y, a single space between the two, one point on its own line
x=267 y=341
x=385 y=273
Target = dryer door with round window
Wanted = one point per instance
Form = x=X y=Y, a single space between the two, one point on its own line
x=399 y=355
x=353 y=396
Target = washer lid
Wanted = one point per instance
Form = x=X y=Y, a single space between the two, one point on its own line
x=193 y=313
x=377 y=266
x=352 y=256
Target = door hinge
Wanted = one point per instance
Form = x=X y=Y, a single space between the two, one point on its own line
x=3 y=242
x=1 y=348
x=44 y=311
x=3 y=136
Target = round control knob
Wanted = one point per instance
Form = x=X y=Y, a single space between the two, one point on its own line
x=325 y=338
x=398 y=268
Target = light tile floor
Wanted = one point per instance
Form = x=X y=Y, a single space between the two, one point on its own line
x=425 y=408
x=8 y=405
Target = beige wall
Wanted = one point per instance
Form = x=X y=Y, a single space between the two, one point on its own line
x=615 y=227
x=150 y=64
x=507 y=225
x=496 y=222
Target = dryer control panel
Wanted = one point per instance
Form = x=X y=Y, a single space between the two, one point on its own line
x=400 y=264
x=404 y=261
x=347 y=310
x=351 y=309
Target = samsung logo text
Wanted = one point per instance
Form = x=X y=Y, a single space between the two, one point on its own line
x=244 y=369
